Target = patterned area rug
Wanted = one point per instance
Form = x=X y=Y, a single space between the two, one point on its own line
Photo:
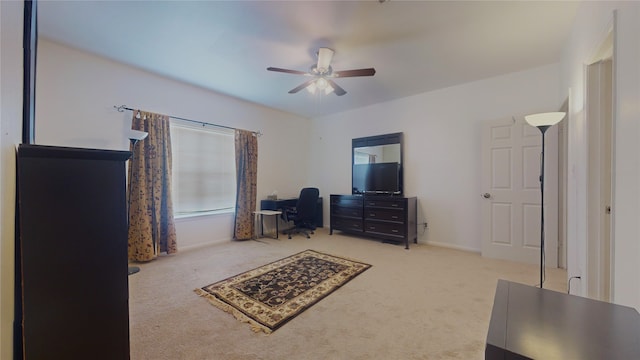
x=269 y=296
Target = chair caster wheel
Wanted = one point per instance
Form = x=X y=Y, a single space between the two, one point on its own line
x=289 y=236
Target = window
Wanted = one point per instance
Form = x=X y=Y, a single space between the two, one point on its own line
x=204 y=170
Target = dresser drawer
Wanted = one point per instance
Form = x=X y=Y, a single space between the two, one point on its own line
x=346 y=211
x=383 y=228
x=390 y=218
x=384 y=214
x=352 y=201
x=346 y=224
x=383 y=203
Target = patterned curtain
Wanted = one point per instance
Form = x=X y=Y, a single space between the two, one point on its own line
x=151 y=225
x=246 y=180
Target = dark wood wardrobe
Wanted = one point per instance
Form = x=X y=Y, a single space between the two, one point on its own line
x=71 y=254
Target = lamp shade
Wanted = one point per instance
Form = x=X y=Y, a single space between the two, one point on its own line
x=137 y=135
x=544 y=119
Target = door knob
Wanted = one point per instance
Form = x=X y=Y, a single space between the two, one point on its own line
x=486 y=195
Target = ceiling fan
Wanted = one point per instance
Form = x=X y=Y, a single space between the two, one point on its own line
x=323 y=73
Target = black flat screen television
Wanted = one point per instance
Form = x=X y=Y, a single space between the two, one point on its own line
x=377 y=178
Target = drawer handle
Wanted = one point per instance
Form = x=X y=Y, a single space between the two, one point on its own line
x=394 y=205
x=372 y=227
x=394 y=217
x=395 y=231
x=372 y=215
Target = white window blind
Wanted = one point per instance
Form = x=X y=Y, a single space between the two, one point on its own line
x=204 y=173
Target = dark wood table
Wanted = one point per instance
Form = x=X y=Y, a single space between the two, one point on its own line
x=532 y=323
x=282 y=204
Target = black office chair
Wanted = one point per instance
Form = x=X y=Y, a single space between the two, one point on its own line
x=304 y=214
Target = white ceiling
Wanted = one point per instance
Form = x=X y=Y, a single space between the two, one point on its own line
x=226 y=46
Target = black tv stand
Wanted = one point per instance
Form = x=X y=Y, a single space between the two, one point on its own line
x=388 y=217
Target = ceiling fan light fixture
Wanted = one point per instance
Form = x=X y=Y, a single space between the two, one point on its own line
x=312 y=88
x=322 y=74
x=321 y=83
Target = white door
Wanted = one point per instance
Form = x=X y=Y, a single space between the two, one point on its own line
x=599 y=122
x=511 y=159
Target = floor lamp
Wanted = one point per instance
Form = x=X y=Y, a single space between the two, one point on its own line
x=134 y=137
x=543 y=122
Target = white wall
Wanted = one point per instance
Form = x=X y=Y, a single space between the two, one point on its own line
x=76 y=92
x=11 y=15
x=442 y=146
x=592 y=21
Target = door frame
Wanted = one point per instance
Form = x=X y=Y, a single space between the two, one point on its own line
x=599 y=100
x=563 y=180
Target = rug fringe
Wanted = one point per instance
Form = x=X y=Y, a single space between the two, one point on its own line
x=255 y=326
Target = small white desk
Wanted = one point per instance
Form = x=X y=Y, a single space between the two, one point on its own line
x=274 y=214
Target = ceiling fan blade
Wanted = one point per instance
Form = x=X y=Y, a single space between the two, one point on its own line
x=324 y=59
x=301 y=86
x=287 y=71
x=337 y=89
x=357 y=72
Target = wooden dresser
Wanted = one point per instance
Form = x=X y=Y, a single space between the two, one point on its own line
x=390 y=218
x=72 y=290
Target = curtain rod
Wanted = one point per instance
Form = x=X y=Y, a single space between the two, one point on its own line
x=122 y=108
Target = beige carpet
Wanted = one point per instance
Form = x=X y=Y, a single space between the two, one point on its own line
x=423 y=303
